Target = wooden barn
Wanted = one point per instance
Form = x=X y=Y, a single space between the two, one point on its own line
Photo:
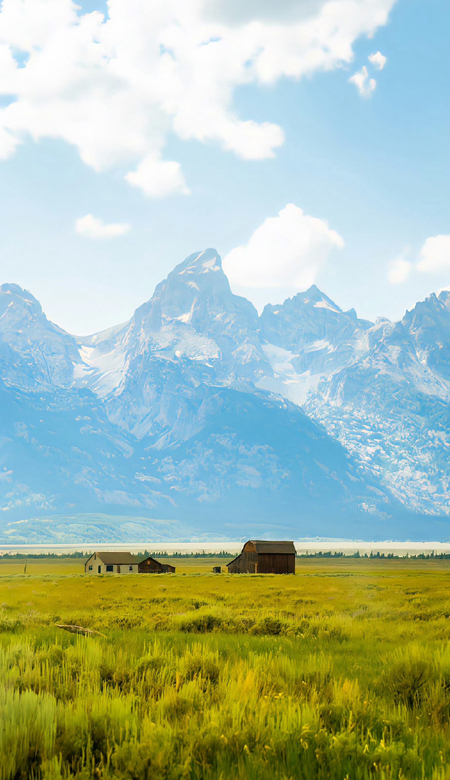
x=111 y=563
x=152 y=566
x=261 y=557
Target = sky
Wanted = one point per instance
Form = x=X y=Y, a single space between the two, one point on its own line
x=306 y=140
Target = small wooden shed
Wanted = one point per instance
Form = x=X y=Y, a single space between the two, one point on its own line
x=111 y=563
x=152 y=566
x=264 y=557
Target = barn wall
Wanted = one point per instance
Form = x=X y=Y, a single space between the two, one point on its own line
x=276 y=563
x=238 y=566
x=155 y=567
x=244 y=564
x=150 y=567
x=252 y=562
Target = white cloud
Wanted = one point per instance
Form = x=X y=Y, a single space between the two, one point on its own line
x=92 y=227
x=378 y=60
x=365 y=85
x=399 y=270
x=238 y=12
x=284 y=254
x=115 y=87
x=435 y=255
x=158 y=178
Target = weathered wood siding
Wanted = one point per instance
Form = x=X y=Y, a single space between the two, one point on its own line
x=152 y=566
x=238 y=566
x=245 y=563
x=276 y=563
x=252 y=562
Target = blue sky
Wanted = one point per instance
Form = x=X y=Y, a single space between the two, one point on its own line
x=375 y=169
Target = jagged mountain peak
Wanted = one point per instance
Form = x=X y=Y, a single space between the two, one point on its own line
x=193 y=331
x=199 y=273
x=16 y=295
x=310 y=298
x=431 y=310
x=196 y=289
x=428 y=326
x=315 y=297
x=311 y=321
x=35 y=354
x=206 y=261
x=181 y=413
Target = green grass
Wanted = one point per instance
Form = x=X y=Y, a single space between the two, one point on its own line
x=340 y=672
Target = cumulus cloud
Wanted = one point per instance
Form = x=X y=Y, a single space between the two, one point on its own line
x=378 y=60
x=117 y=86
x=284 y=254
x=92 y=227
x=158 y=178
x=365 y=85
x=435 y=255
x=238 y=12
x=399 y=270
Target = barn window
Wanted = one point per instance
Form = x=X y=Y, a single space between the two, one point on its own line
x=90 y=568
x=130 y=568
x=110 y=567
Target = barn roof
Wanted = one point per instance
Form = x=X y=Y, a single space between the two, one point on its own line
x=277 y=548
x=117 y=557
x=150 y=558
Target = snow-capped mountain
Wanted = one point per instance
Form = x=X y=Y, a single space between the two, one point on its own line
x=155 y=373
x=382 y=390
x=305 y=420
x=34 y=354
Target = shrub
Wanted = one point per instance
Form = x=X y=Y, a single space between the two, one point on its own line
x=406 y=675
x=198 y=622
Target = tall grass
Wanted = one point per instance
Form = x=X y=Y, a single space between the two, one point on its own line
x=203 y=678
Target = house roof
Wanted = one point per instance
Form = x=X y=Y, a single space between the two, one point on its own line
x=280 y=548
x=117 y=557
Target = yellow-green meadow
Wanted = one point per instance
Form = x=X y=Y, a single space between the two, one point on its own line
x=342 y=671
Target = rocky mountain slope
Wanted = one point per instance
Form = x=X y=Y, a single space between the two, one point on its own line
x=382 y=390
x=199 y=417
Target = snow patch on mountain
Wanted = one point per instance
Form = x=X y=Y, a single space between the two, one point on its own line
x=192 y=400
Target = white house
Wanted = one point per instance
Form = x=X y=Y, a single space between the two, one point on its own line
x=111 y=563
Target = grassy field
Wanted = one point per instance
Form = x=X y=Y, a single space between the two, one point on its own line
x=340 y=672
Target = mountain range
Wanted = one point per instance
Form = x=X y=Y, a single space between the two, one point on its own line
x=201 y=419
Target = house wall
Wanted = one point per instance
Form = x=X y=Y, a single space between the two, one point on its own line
x=95 y=562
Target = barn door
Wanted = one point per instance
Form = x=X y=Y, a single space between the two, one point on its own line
x=118 y=570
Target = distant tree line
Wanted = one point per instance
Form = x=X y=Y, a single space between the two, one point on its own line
x=17 y=556
x=377 y=555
